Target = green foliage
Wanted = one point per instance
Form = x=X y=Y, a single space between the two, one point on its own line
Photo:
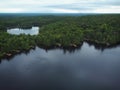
x=12 y=43
x=63 y=31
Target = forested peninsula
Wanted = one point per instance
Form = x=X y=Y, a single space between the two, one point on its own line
x=58 y=31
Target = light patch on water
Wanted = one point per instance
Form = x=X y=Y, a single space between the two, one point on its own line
x=18 y=31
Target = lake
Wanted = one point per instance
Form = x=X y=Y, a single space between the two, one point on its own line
x=18 y=31
x=84 y=68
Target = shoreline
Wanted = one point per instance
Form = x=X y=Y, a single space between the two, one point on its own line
x=70 y=47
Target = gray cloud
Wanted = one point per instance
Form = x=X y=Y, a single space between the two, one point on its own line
x=59 y=6
x=87 y=5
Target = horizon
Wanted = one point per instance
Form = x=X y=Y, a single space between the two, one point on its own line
x=51 y=13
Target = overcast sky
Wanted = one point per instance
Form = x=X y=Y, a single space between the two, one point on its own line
x=59 y=6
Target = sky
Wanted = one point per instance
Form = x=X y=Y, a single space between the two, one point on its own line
x=59 y=6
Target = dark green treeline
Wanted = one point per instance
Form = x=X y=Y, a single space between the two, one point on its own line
x=60 y=31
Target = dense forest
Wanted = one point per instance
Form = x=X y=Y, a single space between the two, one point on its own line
x=58 y=31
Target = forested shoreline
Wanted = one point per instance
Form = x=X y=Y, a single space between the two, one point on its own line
x=58 y=31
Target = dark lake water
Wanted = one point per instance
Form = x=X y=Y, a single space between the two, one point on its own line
x=18 y=31
x=85 y=68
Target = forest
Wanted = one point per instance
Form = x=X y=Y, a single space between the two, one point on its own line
x=58 y=31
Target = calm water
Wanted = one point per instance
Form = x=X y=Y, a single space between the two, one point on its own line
x=18 y=31
x=86 y=68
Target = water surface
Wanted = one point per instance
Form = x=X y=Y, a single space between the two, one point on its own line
x=86 y=68
x=18 y=31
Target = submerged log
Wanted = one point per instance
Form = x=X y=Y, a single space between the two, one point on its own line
x=107 y=44
x=73 y=45
x=58 y=44
x=9 y=54
x=17 y=51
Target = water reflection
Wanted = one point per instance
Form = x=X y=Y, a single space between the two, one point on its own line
x=102 y=47
x=70 y=50
x=65 y=49
x=18 y=31
x=85 y=69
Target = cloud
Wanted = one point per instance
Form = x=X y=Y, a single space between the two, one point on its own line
x=112 y=9
x=59 y=10
x=62 y=6
x=11 y=10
